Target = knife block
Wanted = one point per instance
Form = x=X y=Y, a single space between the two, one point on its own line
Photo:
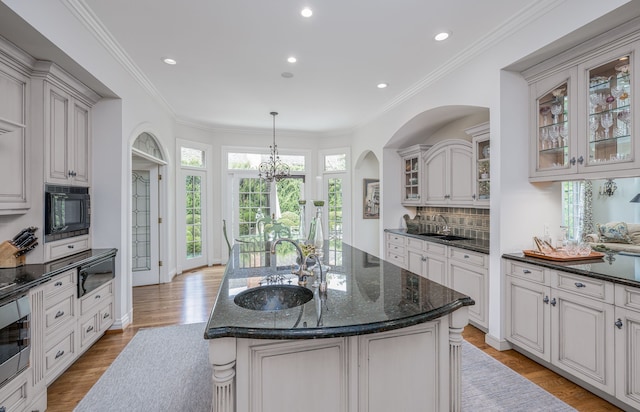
x=7 y=258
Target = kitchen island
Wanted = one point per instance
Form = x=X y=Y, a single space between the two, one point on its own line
x=381 y=338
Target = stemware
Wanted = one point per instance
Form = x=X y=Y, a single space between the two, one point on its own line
x=616 y=92
x=544 y=135
x=556 y=109
x=544 y=111
x=606 y=120
x=594 y=123
x=564 y=132
x=553 y=134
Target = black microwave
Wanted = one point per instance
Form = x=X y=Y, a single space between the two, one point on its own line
x=67 y=212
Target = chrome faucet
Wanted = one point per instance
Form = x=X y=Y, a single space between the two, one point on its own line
x=445 y=229
x=322 y=281
x=302 y=271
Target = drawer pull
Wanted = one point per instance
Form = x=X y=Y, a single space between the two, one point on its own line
x=424 y=259
x=58 y=283
x=553 y=302
x=580 y=285
x=98 y=297
x=546 y=299
x=466 y=256
x=619 y=323
x=89 y=329
x=70 y=246
x=60 y=313
x=526 y=271
x=105 y=316
x=60 y=353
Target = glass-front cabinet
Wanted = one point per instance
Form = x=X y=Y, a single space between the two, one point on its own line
x=582 y=117
x=480 y=138
x=411 y=183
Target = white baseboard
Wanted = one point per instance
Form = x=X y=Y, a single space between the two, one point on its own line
x=498 y=344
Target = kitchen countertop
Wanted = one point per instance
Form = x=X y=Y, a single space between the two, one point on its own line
x=365 y=295
x=476 y=245
x=613 y=267
x=18 y=280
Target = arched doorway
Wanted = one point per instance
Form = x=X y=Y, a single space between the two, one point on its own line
x=147 y=163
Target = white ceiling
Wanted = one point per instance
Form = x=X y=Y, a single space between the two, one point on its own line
x=231 y=54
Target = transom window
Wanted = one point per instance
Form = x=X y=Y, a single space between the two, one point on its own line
x=251 y=161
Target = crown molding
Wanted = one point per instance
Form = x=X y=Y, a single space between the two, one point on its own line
x=85 y=15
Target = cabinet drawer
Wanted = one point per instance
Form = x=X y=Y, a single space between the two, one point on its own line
x=13 y=396
x=58 y=313
x=585 y=286
x=65 y=247
x=88 y=330
x=105 y=317
x=469 y=257
x=627 y=297
x=414 y=243
x=60 y=354
x=396 y=239
x=396 y=249
x=436 y=248
x=95 y=298
x=525 y=271
x=395 y=258
x=61 y=283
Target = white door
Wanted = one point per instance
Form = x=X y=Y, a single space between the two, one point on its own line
x=192 y=234
x=145 y=233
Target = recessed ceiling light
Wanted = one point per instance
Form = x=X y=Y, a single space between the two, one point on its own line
x=306 y=12
x=292 y=59
x=382 y=85
x=169 y=61
x=442 y=36
x=286 y=75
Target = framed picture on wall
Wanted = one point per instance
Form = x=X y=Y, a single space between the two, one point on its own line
x=371 y=201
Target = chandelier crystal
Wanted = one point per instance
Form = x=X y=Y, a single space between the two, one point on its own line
x=274 y=169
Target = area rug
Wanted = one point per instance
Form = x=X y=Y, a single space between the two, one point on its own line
x=167 y=369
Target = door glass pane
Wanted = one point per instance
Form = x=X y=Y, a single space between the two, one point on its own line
x=141 y=228
x=334 y=219
x=553 y=128
x=610 y=112
x=254 y=204
x=193 y=211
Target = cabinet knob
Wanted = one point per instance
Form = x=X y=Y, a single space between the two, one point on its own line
x=546 y=299
x=553 y=302
x=58 y=283
x=573 y=161
x=97 y=297
x=580 y=285
x=619 y=323
x=466 y=256
x=581 y=160
x=424 y=259
x=70 y=246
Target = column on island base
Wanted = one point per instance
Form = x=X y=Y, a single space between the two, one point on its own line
x=457 y=321
x=222 y=356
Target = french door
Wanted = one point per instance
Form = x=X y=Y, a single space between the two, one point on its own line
x=192 y=234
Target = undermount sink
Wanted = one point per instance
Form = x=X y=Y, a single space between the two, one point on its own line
x=443 y=237
x=273 y=297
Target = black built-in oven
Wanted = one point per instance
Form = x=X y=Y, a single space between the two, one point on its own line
x=15 y=337
x=94 y=274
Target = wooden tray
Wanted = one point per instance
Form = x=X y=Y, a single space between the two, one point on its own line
x=561 y=257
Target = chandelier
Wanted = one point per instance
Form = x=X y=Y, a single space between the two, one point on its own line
x=274 y=169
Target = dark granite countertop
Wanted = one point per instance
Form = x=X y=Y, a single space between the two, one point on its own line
x=476 y=245
x=614 y=267
x=365 y=295
x=17 y=281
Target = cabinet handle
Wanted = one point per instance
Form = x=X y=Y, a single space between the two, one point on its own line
x=573 y=161
x=97 y=297
x=473 y=197
x=619 y=323
x=58 y=283
x=106 y=315
x=424 y=259
x=581 y=160
x=553 y=302
x=60 y=313
x=526 y=271
x=89 y=329
x=546 y=299
x=60 y=353
x=580 y=285
x=70 y=246
x=466 y=256
x=70 y=173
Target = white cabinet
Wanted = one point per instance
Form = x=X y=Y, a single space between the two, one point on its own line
x=564 y=319
x=411 y=181
x=480 y=140
x=66 y=125
x=96 y=314
x=468 y=273
x=584 y=117
x=627 y=331
x=448 y=174
x=15 y=179
x=395 y=249
x=427 y=259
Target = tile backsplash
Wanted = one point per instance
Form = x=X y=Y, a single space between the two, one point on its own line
x=467 y=222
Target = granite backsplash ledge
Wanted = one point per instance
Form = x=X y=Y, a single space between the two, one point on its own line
x=467 y=222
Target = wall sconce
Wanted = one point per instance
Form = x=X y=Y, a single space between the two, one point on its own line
x=608 y=189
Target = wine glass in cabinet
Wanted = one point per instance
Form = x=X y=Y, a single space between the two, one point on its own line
x=411 y=181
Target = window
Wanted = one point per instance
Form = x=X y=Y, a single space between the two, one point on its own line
x=193 y=209
x=251 y=161
x=192 y=157
x=335 y=163
x=334 y=219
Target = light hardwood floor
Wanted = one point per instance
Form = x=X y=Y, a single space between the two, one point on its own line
x=189 y=298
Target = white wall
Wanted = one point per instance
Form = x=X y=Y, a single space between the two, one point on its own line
x=365 y=231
